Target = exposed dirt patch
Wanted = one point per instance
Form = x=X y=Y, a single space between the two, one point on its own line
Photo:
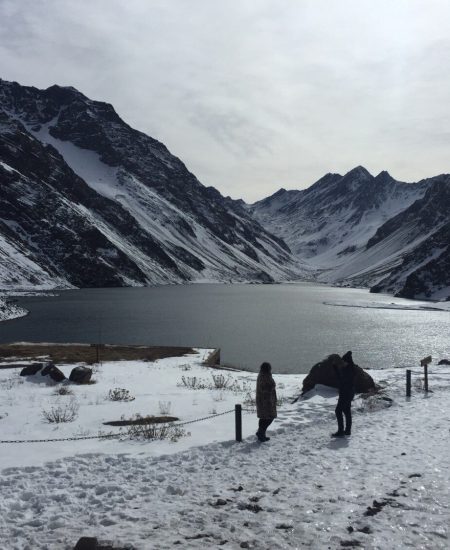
x=142 y=421
x=87 y=353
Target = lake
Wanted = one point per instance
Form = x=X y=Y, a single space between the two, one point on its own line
x=289 y=325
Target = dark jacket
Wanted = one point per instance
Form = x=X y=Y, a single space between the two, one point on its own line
x=266 y=396
x=346 y=381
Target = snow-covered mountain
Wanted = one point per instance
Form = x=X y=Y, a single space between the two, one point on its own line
x=87 y=200
x=362 y=230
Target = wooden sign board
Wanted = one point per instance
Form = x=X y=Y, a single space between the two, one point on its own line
x=425 y=361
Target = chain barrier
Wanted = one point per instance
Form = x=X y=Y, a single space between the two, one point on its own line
x=106 y=436
x=203 y=418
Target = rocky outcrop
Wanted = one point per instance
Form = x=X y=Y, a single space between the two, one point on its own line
x=53 y=372
x=89 y=201
x=81 y=375
x=31 y=370
x=325 y=373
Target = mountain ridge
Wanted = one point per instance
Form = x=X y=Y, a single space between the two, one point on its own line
x=89 y=201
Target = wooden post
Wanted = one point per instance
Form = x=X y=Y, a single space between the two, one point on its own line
x=408 y=383
x=238 y=421
x=425 y=377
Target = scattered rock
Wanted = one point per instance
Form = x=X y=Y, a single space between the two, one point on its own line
x=403 y=454
x=324 y=373
x=199 y=536
x=350 y=529
x=394 y=493
x=53 y=372
x=366 y=529
x=240 y=488
x=220 y=502
x=254 y=499
x=283 y=526
x=244 y=544
x=32 y=369
x=87 y=543
x=350 y=543
x=377 y=507
x=81 y=375
x=276 y=491
x=444 y=362
x=414 y=475
x=252 y=507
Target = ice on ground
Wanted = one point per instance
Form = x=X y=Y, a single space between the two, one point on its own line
x=405 y=305
x=387 y=486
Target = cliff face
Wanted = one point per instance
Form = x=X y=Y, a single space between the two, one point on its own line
x=89 y=201
x=362 y=230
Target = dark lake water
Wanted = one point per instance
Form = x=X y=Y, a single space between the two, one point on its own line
x=288 y=325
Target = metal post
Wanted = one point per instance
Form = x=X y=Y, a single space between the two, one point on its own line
x=425 y=377
x=238 y=421
x=408 y=383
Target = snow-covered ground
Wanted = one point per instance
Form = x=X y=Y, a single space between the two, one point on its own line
x=10 y=310
x=398 y=304
x=300 y=490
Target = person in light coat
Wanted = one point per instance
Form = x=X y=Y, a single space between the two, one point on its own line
x=266 y=400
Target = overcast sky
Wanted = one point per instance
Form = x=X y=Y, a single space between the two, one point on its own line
x=253 y=95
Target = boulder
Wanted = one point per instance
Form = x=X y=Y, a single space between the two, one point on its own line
x=324 y=373
x=31 y=369
x=444 y=362
x=53 y=372
x=80 y=375
x=87 y=543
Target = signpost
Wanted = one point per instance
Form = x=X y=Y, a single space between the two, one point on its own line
x=424 y=363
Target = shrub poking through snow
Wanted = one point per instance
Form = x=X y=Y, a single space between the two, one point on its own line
x=164 y=407
x=120 y=394
x=218 y=382
x=63 y=390
x=156 y=431
x=61 y=413
x=281 y=400
x=250 y=401
x=222 y=382
x=193 y=383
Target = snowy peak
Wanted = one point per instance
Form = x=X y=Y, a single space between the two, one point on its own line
x=126 y=211
x=358 y=229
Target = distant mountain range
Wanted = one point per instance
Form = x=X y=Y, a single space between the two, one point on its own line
x=86 y=201
x=361 y=230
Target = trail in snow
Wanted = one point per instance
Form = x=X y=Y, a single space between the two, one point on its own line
x=300 y=490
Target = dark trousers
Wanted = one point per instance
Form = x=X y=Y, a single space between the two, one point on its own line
x=344 y=408
x=264 y=423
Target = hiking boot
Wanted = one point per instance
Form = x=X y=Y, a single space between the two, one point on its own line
x=338 y=434
x=348 y=432
x=261 y=437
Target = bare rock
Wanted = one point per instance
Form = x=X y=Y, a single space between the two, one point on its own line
x=32 y=369
x=81 y=375
x=87 y=543
x=53 y=372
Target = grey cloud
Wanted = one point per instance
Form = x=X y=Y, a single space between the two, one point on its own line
x=253 y=95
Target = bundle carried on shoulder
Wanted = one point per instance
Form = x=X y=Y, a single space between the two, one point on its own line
x=325 y=373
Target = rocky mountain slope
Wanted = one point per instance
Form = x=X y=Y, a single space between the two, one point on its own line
x=87 y=200
x=362 y=230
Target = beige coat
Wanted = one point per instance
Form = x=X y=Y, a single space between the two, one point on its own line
x=266 y=397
